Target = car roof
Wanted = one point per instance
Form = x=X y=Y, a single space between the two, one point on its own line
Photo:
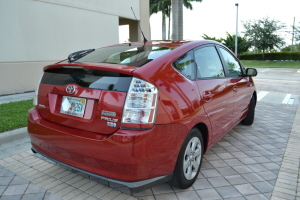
x=165 y=43
x=168 y=43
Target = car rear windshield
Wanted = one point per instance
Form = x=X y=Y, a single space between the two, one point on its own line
x=95 y=79
x=136 y=56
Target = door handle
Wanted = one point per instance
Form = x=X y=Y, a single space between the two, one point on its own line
x=207 y=96
x=235 y=88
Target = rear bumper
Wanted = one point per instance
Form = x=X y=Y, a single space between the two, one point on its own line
x=127 y=157
x=137 y=186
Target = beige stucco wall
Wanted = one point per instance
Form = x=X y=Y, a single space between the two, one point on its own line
x=35 y=33
x=19 y=77
x=144 y=19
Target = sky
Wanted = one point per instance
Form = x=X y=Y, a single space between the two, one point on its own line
x=216 y=17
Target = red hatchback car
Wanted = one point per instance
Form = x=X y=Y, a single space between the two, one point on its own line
x=140 y=114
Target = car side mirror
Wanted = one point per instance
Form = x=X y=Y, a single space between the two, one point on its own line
x=251 y=72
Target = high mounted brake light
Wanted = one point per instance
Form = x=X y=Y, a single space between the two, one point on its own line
x=140 y=105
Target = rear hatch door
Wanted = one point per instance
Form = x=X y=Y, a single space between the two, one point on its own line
x=86 y=97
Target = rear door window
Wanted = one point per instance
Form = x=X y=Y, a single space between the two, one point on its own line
x=208 y=63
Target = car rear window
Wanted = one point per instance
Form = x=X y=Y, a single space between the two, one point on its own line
x=136 y=56
x=95 y=79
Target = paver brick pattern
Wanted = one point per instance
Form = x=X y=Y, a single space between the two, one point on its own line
x=244 y=164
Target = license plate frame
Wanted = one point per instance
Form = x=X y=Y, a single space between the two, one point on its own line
x=73 y=106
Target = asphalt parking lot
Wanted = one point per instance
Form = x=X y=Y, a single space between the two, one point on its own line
x=280 y=86
x=251 y=162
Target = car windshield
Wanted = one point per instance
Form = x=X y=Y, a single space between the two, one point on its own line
x=136 y=56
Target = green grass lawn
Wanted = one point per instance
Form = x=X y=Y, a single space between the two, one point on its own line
x=270 y=64
x=14 y=114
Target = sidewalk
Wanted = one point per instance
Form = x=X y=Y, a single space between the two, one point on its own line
x=16 y=97
x=251 y=162
x=14 y=141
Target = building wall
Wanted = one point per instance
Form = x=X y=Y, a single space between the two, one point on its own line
x=144 y=19
x=35 y=33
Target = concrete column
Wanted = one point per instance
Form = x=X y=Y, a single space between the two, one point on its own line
x=144 y=21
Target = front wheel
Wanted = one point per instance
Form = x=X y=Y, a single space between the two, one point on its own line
x=189 y=160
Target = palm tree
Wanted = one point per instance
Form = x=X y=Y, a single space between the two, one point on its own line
x=175 y=19
x=165 y=7
x=177 y=16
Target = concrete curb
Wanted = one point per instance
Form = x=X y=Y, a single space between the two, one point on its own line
x=289 y=169
x=13 y=135
x=16 y=97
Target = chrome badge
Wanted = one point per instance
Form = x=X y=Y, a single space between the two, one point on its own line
x=110 y=121
x=108 y=113
x=71 y=89
x=111 y=124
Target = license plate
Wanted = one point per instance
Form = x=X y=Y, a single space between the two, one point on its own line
x=73 y=106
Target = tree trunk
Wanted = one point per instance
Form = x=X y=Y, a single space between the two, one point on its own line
x=163 y=26
x=180 y=20
x=175 y=19
x=169 y=29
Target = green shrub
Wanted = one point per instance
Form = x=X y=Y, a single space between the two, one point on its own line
x=270 y=64
x=272 y=56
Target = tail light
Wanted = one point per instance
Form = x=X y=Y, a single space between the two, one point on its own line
x=140 y=105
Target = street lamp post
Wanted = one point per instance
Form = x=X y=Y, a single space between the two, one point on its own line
x=236 y=33
x=293 y=35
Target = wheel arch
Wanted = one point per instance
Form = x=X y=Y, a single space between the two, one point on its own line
x=255 y=96
x=204 y=132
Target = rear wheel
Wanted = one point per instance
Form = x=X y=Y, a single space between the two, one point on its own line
x=189 y=160
x=250 y=116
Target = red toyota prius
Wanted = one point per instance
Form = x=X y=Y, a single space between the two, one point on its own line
x=140 y=114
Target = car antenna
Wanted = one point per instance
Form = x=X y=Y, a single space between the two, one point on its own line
x=145 y=40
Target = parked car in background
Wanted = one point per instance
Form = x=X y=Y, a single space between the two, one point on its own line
x=141 y=114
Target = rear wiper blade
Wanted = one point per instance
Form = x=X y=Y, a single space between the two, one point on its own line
x=79 y=54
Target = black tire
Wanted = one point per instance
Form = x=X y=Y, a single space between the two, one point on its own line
x=190 y=156
x=250 y=115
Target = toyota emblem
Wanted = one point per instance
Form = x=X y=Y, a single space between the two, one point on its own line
x=71 y=89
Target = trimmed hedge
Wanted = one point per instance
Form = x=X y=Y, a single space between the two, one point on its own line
x=272 y=56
